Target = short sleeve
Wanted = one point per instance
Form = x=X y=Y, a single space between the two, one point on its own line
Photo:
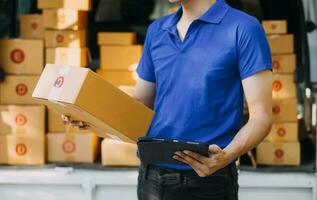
x=254 y=53
x=145 y=68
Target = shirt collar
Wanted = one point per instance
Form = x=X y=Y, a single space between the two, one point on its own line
x=214 y=15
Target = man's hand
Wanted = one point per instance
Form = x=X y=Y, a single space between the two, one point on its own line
x=205 y=166
x=68 y=121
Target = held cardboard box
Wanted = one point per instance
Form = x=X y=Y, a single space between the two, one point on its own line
x=18 y=89
x=120 y=57
x=72 y=147
x=3 y=149
x=284 y=110
x=283 y=86
x=26 y=150
x=26 y=120
x=55 y=123
x=117 y=153
x=284 y=63
x=281 y=44
x=129 y=90
x=67 y=56
x=283 y=132
x=86 y=96
x=21 y=56
x=278 y=153
x=116 y=38
x=31 y=26
x=275 y=26
x=69 y=4
x=65 y=38
x=62 y=19
x=117 y=77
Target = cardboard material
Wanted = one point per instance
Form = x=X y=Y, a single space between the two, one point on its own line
x=119 y=77
x=21 y=56
x=86 y=96
x=26 y=150
x=116 y=153
x=284 y=63
x=55 y=123
x=281 y=44
x=275 y=26
x=116 y=38
x=70 y=4
x=283 y=86
x=129 y=90
x=65 y=38
x=284 y=110
x=72 y=147
x=31 y=26
x=3 y=149
x=62 y=19
x=283 y=132
x=120 y=57
x=67 y=56
x=26 y=120
x=18 y=89
x=278 y=153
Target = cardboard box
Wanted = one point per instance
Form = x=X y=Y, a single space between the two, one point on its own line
x=26 y=120
x=3 y=149
x=62 y=19
x=31 y=26
x=278 y=153
x=120 y=57
x=67 y=56
x=72 y=147
x=275 y=26
x=116 y=38
x=26 y=150
x=283 y=132
x=129 y=90
x=284 y=110
x=86 y=96
x=18 y=89
x=69 y=4
x=283 y=86
x=119 y=77
x=55 y=123
x=117 y=153
x=65 y=38
x=281 y=44
x=284 y=63
x=19 y=56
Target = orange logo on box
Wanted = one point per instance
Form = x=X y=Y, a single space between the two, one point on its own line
x=69 y=146
x=17 y=56
x=34 y=25
x=20 y=119
x=276 y=64
x=279 y=153
x=59 y=38
x=21 y=89
x=276 y=110
x=273 y=26
x=21 y=149
x=277 y=86
x=281 y=132
x=59 y=82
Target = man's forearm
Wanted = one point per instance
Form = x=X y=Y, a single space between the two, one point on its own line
x=249 y=136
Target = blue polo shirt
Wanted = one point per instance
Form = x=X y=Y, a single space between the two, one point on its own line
x=199 y=94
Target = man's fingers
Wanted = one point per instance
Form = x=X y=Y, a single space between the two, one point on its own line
x=196 y=156
x=198 y=171
x=194 y=163
x=214 y=149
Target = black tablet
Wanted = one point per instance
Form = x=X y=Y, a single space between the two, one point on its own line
x=161 y=151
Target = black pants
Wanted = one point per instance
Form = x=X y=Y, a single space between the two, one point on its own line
x=155 y=183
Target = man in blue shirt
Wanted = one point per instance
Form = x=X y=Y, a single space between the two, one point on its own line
x=195 y=66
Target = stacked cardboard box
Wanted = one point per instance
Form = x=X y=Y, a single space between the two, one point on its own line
x=65 y=24
x=281 y=147
x=22 y=122
x=119 y=56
